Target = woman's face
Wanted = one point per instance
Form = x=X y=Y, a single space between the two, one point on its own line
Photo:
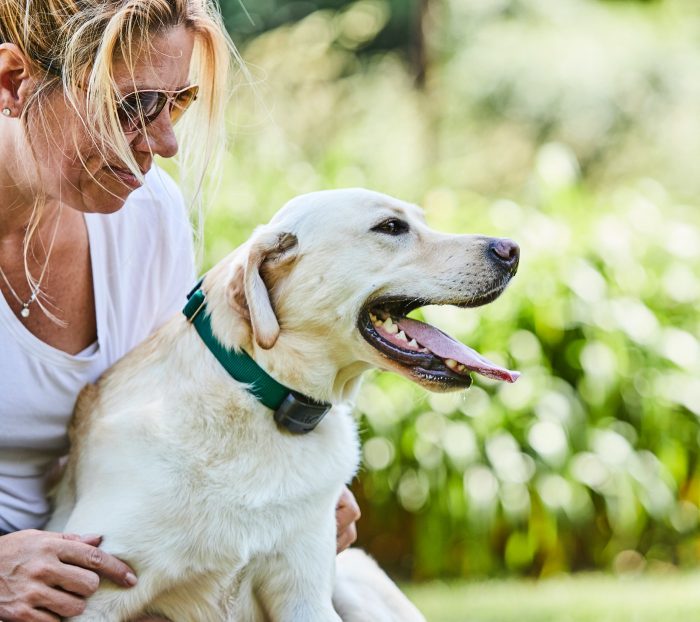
x=73 y=170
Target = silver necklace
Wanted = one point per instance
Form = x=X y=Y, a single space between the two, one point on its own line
x=25 y=305
x=24 y=312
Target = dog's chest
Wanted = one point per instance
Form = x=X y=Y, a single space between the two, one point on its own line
x=292 y=464
x=263 y=481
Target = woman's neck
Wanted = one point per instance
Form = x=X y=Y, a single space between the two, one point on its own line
x=17 y=194
x=20 y=249
x=16 y=220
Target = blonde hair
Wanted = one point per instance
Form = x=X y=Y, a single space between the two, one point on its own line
x=74 y=45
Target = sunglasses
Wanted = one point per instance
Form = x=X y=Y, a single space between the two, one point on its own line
x=140 y=108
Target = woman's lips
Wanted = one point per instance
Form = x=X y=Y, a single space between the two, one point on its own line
x=125 y=176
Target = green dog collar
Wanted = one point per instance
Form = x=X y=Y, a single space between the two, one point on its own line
x=295 y=412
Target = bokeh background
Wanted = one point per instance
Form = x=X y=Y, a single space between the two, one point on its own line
x=572 y=126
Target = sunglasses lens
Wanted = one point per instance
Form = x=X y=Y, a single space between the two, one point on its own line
x=181 y=102
x=151 y=103
x=138 y=109
x=128 y=112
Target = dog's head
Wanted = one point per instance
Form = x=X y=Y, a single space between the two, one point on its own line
x=324 y=290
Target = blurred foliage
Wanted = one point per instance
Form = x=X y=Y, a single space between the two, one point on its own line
x=573 y=127
x=398 y=31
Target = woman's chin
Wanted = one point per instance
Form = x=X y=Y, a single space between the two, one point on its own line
x=103 y=203
x=108 y=195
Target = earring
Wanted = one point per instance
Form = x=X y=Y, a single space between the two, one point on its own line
x=7 y=112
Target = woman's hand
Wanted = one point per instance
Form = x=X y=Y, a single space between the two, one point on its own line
x=45 y=576
x=347 y=512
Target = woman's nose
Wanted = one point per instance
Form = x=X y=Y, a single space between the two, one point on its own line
x=158 y=137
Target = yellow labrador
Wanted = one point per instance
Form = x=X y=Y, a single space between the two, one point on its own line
x=217 y=486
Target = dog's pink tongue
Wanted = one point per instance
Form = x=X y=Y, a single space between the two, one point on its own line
x=445 y=347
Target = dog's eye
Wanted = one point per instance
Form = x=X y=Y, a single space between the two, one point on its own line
x=392 y=226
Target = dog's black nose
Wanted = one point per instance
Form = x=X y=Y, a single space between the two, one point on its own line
x=505 y=251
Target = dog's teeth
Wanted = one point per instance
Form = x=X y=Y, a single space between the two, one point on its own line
x=413 y=344
x=424 y=350
x=461 y=368
x=373 y=318
x=390 y=327
x=451 y=363
x=401 y=335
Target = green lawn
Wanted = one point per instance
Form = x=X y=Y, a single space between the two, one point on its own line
x=583 y=598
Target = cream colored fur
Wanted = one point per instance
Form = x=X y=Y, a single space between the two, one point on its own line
x=222 y=515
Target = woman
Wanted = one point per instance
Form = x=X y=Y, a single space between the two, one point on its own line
x=95 y=244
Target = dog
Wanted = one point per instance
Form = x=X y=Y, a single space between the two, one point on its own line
x=224 y=505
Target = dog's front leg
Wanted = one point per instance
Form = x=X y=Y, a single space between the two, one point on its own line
x=296 y=585
x=115 y=604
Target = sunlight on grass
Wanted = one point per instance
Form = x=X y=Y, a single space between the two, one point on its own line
x=582 y=598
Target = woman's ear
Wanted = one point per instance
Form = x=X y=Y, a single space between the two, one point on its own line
x=16 y=79
x=249 y=291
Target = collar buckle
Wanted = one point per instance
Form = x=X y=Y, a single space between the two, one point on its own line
x=194 y=305
x=196 y=300
x=300 y=414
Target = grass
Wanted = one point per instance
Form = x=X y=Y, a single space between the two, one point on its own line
x=581 y=598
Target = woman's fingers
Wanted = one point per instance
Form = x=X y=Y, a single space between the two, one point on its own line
x=347 y=512
x=90 y=557
x=77 y=581
x=58 y=602
x=27 y=614
x=346 y=538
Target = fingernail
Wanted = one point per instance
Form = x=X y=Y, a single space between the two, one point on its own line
x=131 y=579
x=91 y=536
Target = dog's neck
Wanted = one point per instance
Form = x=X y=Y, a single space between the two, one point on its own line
x=294 y=360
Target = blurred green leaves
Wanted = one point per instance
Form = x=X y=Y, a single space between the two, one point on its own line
x=384 y=24
x=571 y=127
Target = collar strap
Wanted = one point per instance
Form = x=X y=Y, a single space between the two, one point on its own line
x=295 y=412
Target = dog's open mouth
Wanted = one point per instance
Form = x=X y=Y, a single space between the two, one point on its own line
x=430 y=355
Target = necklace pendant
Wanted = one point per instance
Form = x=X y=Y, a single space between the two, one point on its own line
x=24 y=312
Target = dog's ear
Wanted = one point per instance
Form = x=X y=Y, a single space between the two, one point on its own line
x=250 y=295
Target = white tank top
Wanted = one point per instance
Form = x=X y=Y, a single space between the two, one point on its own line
x=142 y=267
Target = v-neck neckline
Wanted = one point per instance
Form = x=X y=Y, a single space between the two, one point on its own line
x=36 y=346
